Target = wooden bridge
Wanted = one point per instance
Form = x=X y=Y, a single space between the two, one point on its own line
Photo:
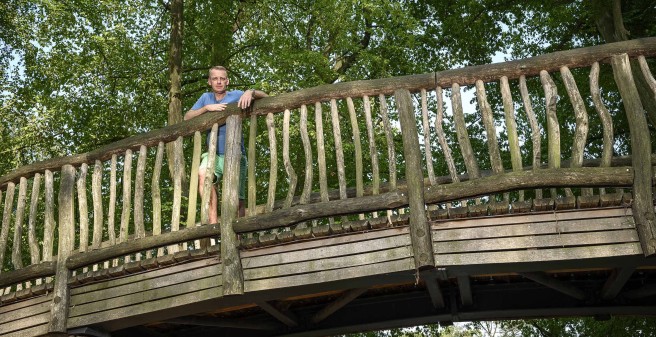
x=412 y=235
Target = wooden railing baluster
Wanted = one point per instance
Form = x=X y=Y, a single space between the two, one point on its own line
x=82 y=207
x=6 y=219
x=511 y=129
x=373 y=151
x=463 y=135
x=307 y=151
x=321 y=154
x=553 y=127
x=339 y=152
x=441 y=137
x=490 y=131
x=391 y=152
x=17 y=251
x=355 y=130
x=536 y=135
x=252 y=160
x=291 y=174
x=273 y=160
x=35 y=252
x=643 y=206
x=581 y=129
x=606 y=120
x=156 y=194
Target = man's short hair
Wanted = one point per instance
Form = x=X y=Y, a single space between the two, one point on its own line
x=216 y=68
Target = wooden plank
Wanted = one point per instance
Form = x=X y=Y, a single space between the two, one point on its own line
x=174 y=297
x=335 y=263
x=328 y=251
x=536 y=218
x=24 y=323
x=537 y=242
x=38 y=330
x=43 y=300
x=325 y=276
x=326 y=242
x=142 y=290
x=154 y=273
x=29 y=315
x=555 y=227
x=543 y=255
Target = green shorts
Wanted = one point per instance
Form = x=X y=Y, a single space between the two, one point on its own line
x=218 y=171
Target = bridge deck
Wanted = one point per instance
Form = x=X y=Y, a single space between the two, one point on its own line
x=569 y=260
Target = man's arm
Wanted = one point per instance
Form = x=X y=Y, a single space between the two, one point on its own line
x=248 y=96
x=211 y=107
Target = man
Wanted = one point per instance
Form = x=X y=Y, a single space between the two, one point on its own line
x=217 y=100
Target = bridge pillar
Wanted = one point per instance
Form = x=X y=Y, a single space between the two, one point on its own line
x=233 y=276
x=420 y=233
x=61 y=291
x=643 y=204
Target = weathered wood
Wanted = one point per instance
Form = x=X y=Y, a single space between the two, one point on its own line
x=649 y=78
x=127 y=193
x=511 y=128
x=79 y=260
x=553 y=127
x=31 y=272
x=355 y=130
x=193 y=180
x=427 y=141
x=291 y=174
x=321 y=151
x=373 y=151
x=391 y=153
x=490 y=130
x=17 y=251
x=604 y=116
x=536 y=135
x=156 y=195
x=35 y=252
x=543 y=255
x=643 y=208
x=49 y=221
x=209 y=176
x=139 y=229
x=233 y=278
x=464 y=287
x=534 y=241
x=585 y=176
x=96 y=197
x=6 y=219
x=82 y=207
x=463 y=135
x=178 y=173
x=252 y=187
x=61 y=299
x=581 y=129
x=339 y=150
x=273 y=166
x=111 y=225
x=441 y=137
x=307 y=151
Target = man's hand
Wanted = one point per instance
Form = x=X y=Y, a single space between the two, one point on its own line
x=216 y=107
x=246 y=99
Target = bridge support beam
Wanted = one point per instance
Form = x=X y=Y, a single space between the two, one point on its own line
x=61 y=292
x=420 y=234
x=233 y=276
x=643 y=205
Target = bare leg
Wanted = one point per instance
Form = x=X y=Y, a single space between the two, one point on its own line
x=212 y=216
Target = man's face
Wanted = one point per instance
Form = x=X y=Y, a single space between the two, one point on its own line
x=218 y=80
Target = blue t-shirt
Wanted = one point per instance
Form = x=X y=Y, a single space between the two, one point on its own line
x=207 y=99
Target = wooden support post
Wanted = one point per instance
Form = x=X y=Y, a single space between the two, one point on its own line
x=555 y=284
x=643 y=207
x=233 y=277
x=331 y=308
x=61 y=292
x=419 y=229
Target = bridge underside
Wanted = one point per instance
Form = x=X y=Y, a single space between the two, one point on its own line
x=549 y=264
x=582 y=262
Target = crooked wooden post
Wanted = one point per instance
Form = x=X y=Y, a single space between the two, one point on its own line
x=420 y=234
x=233 y=277
x=643 y=207
x=61 y=292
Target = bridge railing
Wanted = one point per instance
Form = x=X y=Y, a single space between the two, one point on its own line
x=367 y=157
